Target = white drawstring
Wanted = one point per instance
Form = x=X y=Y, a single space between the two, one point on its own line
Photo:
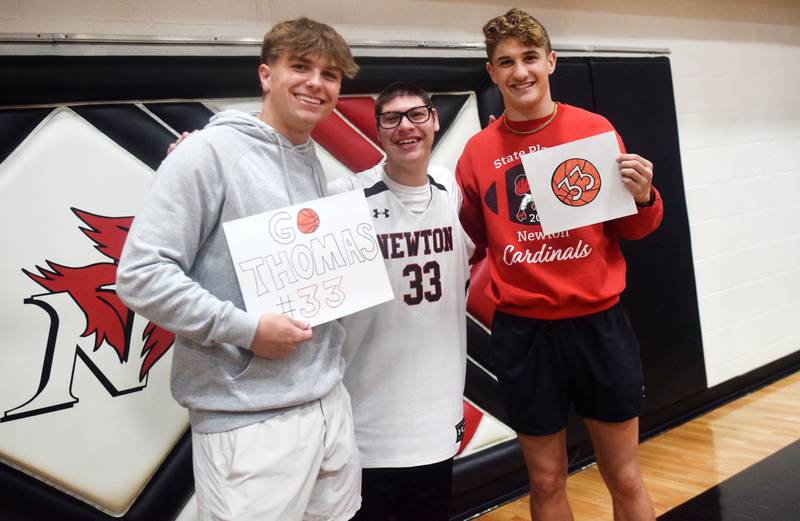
x=315 y=171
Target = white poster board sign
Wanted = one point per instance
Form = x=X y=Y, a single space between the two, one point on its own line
x=314 y=261
x=578 y=183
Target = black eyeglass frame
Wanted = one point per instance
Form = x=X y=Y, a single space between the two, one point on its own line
x=402 y=115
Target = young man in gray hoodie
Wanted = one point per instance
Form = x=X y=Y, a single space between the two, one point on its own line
x=271 y=422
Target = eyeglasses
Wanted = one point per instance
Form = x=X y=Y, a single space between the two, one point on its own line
x=415 y=115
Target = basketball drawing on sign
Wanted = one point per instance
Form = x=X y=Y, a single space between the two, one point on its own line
x=307 y=220
x=576 y=182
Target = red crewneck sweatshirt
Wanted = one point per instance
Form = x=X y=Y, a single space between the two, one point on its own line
x=568 y=274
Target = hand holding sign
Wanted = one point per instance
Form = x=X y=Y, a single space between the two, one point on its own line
x=278 y=335
x=637 y=175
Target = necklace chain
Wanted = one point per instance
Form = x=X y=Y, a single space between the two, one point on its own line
x=532 y=131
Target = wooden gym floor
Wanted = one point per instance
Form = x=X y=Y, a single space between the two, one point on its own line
x=682 y=463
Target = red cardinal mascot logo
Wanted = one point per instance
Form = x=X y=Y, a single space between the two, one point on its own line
x=90 y=287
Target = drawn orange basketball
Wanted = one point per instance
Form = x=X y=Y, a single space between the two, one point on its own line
x=307 y=220
x=576 y=182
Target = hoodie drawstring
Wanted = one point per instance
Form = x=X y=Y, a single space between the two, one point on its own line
x=315 y=170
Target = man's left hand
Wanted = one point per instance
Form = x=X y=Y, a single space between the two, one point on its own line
x=637 y=175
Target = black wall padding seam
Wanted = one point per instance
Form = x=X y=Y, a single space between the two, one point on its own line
x=181 y=117
x=132 y=129
x=15 y=126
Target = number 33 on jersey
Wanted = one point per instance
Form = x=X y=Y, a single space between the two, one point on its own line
x=424 y=253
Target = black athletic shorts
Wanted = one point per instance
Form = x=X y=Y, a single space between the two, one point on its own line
x=407 y=493
x=544 y=365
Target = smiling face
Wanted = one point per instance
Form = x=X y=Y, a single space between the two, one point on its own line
x=408 y=145
x=522 y=73
x=300 y=91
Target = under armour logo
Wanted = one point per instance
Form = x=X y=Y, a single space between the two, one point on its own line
x=460 y=430
x=376 y=213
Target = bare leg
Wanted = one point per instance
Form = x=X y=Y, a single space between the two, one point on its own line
x=616 y=446
x=546 y=459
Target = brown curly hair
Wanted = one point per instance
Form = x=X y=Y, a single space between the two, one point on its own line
x=305 y=36
x=517 y=24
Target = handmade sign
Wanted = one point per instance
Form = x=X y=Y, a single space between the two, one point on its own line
x=315 y=261
x=578 y=183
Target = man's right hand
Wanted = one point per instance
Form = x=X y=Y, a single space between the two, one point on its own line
x=278 y=335
x=184 y=135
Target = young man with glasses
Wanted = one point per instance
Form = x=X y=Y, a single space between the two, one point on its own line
x=559 y=334
x=272 y=434
x=406 y=358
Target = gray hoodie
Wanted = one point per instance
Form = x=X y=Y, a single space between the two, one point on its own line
x=176 y=270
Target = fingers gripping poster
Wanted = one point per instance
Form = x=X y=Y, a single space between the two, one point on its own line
x=314 y=261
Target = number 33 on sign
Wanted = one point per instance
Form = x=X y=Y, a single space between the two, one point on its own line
x=578 y=183
x=317 y=260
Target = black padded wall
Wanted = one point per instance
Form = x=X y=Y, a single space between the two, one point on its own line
x=15 y=127
x=183 y=117
x=572 y=83
x=131 y=128
x=61 y=79
x=637 y=96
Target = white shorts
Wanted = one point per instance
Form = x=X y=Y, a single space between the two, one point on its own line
x=300 y=465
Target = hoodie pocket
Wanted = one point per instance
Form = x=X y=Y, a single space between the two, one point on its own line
x=311 y=359
x=246 y=367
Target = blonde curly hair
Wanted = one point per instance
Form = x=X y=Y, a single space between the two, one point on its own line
x=517 y=24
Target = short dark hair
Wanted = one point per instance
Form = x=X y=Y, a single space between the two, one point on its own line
x=305 y=36
x=401 y=88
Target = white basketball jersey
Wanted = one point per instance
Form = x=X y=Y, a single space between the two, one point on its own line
x=406 y=358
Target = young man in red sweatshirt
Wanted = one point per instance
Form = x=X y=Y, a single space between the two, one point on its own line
x=559 y=335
